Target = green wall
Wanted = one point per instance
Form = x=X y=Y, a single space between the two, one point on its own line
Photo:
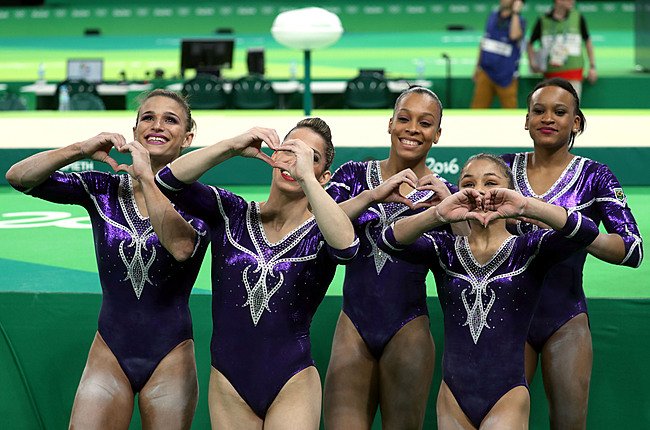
x=45 y=338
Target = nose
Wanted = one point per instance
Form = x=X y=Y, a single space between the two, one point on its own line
x=158 y=123
x=412 y=127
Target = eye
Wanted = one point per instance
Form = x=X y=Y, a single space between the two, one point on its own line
x=538 y=111
x=425 y=124
x=491 y=183
x=402 y=119
x=467 y=184
x=560 y=112
x=172 y=120
x=146 y=117
x=316 y=158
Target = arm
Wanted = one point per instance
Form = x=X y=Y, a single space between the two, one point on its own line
x=192 y=165
x=622 y=244
x=388 y=191
x=506 y=203
x=592 y=75
x=535 y=35
x=515 y=31
x=332 y=221
x=33 y=170
x=173 y=231
x=456 y=207
x=608 y=247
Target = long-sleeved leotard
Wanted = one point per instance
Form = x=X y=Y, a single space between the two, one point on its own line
x=380 y=293
x=487 y=308
x=145 y=291
x=591 y=188
x=264 y=294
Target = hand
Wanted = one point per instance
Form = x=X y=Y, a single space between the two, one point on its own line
x=517 y=5
x=249 y=144
x=433 y=183
x=141 y=166
x=592 y=76
x=464 y=205
x=388 y=191
x=97 y=148
x=301 y=165
x=503 y=203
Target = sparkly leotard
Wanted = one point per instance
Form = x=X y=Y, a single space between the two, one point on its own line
x=487 y=308
x=380 y=293
x=591 y=188
x=145 y=291
x=264 y=294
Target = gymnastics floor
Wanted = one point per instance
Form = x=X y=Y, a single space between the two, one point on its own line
x=50 y=298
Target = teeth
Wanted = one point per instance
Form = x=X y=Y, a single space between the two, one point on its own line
x=410 y=142
x=284 y=172
x=156 y=139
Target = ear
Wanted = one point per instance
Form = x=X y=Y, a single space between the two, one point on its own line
x=189 y=136
x=526 y=123
x=436 y=137
x=576 y=124
x=390 y=124
x=134 y=132
x=325 y=177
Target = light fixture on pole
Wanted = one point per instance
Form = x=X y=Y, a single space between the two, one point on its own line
x=307 y=29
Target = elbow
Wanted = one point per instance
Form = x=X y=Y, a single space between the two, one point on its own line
x=182 y=251
x=13 y=178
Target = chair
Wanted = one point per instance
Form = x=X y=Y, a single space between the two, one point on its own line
x=253 y=92
x=368 y=91
x=205 y=92
x=86 y=101
x=11 y=101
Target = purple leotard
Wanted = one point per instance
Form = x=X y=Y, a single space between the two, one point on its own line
x=591 y=188
x=145 y=302
x=487 y=308
x=264 y=294
x=380 y=293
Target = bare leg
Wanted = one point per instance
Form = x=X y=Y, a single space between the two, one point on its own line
x=405 y=373
x=169 y=398
x=510 y=412
x=227 y=409
x=297 y=406
x=530 y=361
x=104 y=397
x=351 y=383
x=567 y=359
x=450 y=415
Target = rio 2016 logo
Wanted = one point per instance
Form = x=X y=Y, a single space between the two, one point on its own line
x=43 y=219
x=443 y=167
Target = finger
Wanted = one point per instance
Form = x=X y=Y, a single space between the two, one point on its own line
x=264 y=157
x=281 y=165
x=111 y=162
x=405 y=201
x=268 y=136
x=122 y=168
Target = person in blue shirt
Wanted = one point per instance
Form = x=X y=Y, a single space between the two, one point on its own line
x=497 y=69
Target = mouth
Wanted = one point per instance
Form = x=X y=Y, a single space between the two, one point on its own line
x=547 y=130
x=410 y=143
x=287 y=176
x=156 y=139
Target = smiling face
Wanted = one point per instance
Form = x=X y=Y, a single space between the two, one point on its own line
x=313 y=140
x=551 y=118
x=162 y=128
x=415 y=126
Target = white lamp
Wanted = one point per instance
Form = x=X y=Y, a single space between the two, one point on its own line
x=307 y=29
